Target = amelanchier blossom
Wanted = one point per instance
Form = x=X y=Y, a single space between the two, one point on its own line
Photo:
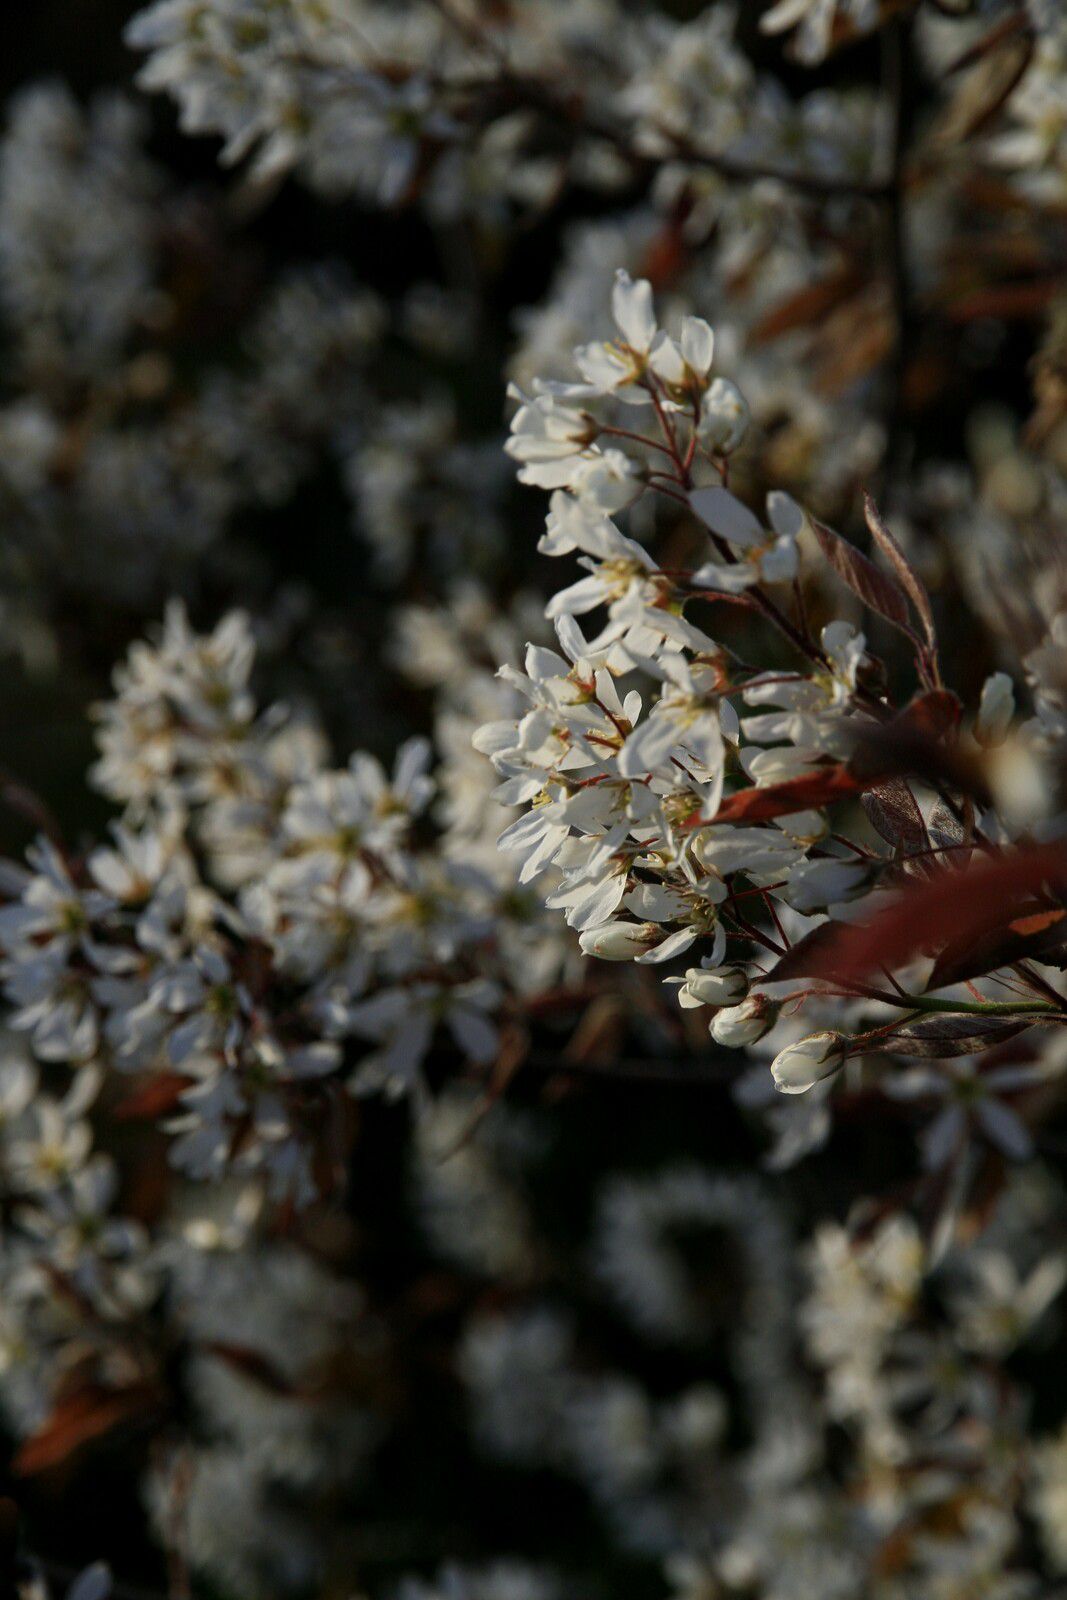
x=689 y=802
x=255 y=913
x=800 y=1066
x=698 y=807
x=754 y=849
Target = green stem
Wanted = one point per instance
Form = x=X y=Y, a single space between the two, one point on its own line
x=983 y=1008
x=861 y=1040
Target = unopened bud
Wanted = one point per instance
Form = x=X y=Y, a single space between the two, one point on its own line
x=744 y=1024
x=620 y=941
x=800 y=1066
x=715 y=986
x=723 y=417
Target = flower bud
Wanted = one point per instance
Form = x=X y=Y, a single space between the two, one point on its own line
x=715 y=986
x=620 y=941
x=801 y=1065
x=995 y=710
x=744 y=1024
x=723 y=417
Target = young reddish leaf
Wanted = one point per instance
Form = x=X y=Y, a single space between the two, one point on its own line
x=953 y=906
x=810 y=790
x=1030 y=297
x=511 y=1055
x=78 y=1420
x=992 y=67
x=806 y=306
x=937 y=713
x=1039 y=935
x=919 y=743
x=670 y=251
x=856 y=340
x=1040 y=922
x=878 y=591
x=255 y=1366
x=1009 y=27
x=894 y=814
x=845 y=30
x=904 y=570
x=808 y=956
x=153 y=1099
x=600 y=1033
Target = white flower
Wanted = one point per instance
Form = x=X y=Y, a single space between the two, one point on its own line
x=800 y=1066
x=970 y=1102
x=814 y=22
x=722 y=986
x=744 y=1024
x=1048 y=1495
x=606 y=480
x=132 y=869
x=724 y=417
x=620 y=941
x=403 y=1022
x=631 y=306
x=551 y=440
x=684 y=367
x=644 y=942
x=52 y=912
x=91 y=1583
x=56 y=1150
x=54 y=1004
x=999 y=1307
x=770 y=555
x=18 y=1085
x=996 y=709
x=813 y=884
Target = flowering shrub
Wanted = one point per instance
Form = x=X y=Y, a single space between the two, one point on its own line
x=481 y=1033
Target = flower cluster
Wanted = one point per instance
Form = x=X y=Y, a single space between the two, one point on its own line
x=929 y=1474
x=699 y=810
x=121 y=477
x=77 y=1276
x=448 y=104
x=254 y=913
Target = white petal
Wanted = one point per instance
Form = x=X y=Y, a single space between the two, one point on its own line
x=725 y=515
x=1006 y=1129
x=672 y=946
x=631 y=306
x=698 y=345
